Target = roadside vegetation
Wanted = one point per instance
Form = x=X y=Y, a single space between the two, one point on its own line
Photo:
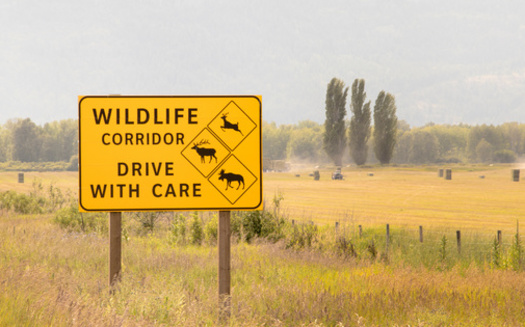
x=286 y=271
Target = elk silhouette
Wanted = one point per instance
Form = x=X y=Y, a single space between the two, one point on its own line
x=204 y=152
x=228 y=125
x=231 y=177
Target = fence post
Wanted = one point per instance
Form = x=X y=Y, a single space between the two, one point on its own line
x=499 y=237
x=458 y=237
x=360 y=231
x=336 y=227
x=421 y=234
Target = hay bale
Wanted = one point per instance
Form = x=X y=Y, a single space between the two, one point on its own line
x=448 y=174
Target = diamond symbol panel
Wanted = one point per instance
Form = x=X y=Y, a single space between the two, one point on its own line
x=232 y=125
x=205 y=152
x=232 y=179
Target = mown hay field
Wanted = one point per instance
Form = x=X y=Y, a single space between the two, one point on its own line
x=477 y=197
x=67 y=181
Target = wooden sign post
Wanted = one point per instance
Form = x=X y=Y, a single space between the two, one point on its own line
x=224 y=277
x=115 y=247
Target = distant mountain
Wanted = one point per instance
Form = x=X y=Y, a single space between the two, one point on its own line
x=446 y=62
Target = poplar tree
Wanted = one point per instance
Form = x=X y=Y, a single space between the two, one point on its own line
x=359 y=131
x=334 y=140
x=385 y=127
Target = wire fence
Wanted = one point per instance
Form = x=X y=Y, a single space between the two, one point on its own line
x=465 y=240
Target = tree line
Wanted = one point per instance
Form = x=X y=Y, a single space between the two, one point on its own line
x=429 y=144
x=21 y=140
x=24 y=141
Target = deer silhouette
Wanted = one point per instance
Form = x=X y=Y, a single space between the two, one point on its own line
x=204 y=152
x=231 y=177
x=228 y=125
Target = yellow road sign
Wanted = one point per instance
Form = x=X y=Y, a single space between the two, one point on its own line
x=170 y=153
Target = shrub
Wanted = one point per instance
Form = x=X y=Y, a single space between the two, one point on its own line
x=211 y=230
x=372 y=249
x=443 y=252
x=21 y=203
x=262 y=224
x=55 y=198
x=496 y=253
x=304 y=237
x=236 y=229
x=71 y=219
x=73 y=163
x=197 y=233
x=344 y=247
x=505 y=156
x=178 y=230
x=36 y=202
x=516 y=253
x=34 y=166
x=147 y=219
x=251 y=225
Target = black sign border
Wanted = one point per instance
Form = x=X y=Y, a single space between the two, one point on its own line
x=229 y=208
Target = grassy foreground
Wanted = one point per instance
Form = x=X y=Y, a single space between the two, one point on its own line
x=52 y=277
x=49 y=277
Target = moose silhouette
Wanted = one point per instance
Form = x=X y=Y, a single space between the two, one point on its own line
x=231 y=177
x=204 y=152
x=228 y=125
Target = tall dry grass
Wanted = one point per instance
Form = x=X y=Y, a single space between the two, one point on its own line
x=49 y=277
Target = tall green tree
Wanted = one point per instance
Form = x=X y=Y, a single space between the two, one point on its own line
x=4 y=144
x=424 y=147
x=334 y=140
x=59 y=140
x=385 y=127
x=359 y=131
x=275 y=140
x=26 y=141
x=489 y=133
x=305 y=142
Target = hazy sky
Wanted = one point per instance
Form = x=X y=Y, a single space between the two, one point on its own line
x=445 y=61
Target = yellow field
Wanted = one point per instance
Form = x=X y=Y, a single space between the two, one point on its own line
x=404 y=196
x=62 y=180
x=398 y=196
